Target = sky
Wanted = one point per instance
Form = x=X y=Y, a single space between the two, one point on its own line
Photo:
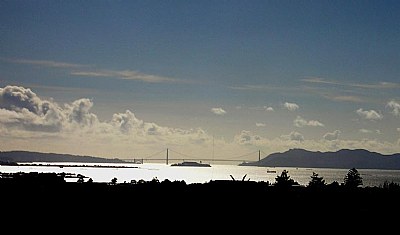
x=220 y=79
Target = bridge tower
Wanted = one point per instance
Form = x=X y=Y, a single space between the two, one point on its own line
x=167 y=156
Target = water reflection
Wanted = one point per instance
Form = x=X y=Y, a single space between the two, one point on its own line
x=148 y=171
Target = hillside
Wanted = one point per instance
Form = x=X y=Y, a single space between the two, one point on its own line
x=26 y=156
x=345 y=159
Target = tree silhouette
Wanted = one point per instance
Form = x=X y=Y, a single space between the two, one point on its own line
x=114 y=181
x=80 y=178
x=284 y=180
x=352 y=178
x=316 y=181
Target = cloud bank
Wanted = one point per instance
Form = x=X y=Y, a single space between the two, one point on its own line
x=29 y=122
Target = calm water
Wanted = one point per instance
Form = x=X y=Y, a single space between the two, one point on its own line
x=148 y=171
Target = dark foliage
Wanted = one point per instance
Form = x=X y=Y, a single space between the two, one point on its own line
x=45 y=190
x=316 y=181
x=284 y=180
x=352 y=179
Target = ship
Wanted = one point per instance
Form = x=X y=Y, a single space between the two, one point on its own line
x=191 y=163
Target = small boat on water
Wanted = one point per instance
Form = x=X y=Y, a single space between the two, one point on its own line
x=271 y=171
x=137 y=161
x=191 y=163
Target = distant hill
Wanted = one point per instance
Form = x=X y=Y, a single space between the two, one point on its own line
x=26 y=156
x=345 y=159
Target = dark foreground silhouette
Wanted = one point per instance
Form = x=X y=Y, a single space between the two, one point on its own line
x=46 y=191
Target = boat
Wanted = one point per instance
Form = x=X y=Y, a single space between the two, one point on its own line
x=271 y=171
x=137 y=161
x=191 y=163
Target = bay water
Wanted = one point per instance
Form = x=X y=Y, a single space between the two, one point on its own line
x=127 y=172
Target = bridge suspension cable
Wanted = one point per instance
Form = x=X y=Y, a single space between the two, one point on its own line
x=155 y=154
x=245 y=155
x=188 y=156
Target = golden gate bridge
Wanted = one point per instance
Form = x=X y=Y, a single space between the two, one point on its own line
x=168 y=155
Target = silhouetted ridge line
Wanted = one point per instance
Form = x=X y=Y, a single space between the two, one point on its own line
x=344 y=159
x=27 y=156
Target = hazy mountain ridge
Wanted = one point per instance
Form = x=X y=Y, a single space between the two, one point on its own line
x=27 y=156
x=344 y=158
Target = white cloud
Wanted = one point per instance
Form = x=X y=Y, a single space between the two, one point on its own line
x=365 y=131
x=369 y=115
x=79 y=112
x=23 y=112
x=301 y=122
x=291 y=106
x=218 y=111
x=258 y=124
x=246 y=138
x=296 y=136
x=330 y=136
x=269 y=109
x=395 y=107
x=398 y=129
x=22 y=108
x=293 y=136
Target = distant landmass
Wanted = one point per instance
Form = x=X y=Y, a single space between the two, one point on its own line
x=26 y=156
x=344 y=159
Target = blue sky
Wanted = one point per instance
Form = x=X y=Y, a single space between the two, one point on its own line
x=127 y=78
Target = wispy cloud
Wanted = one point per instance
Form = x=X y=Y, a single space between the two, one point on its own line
x=366 y=131
x=331 y=136
x=264 y=87
x=258 y=124
x=380 y=85
x=124 y=74
x=218 y=111
x=52 y=88
x=44 y=63
x=262 y=108
x=347 y=98
x=337 y=94
x=319 y=80
x=91 y=71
